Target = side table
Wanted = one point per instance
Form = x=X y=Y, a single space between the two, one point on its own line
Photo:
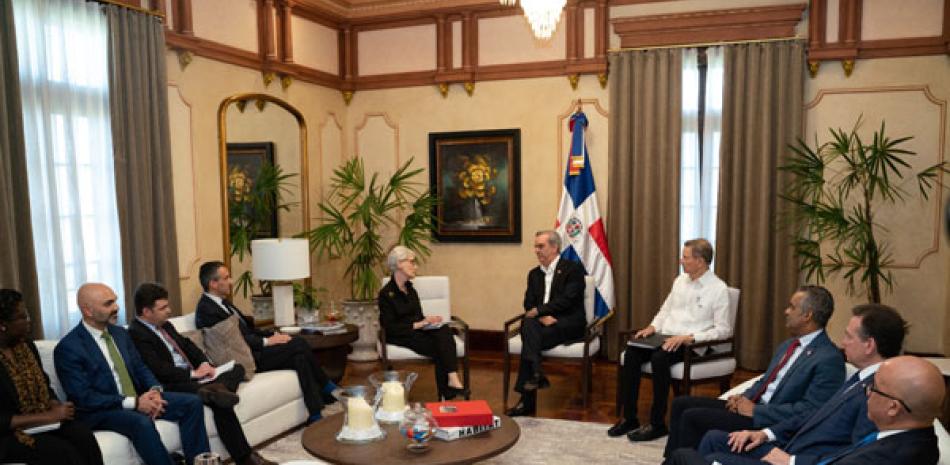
x=331 y=349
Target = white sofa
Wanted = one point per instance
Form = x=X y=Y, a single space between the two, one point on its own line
x=943 y=437
x=271 y=403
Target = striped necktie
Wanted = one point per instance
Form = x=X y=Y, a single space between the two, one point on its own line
x=125 y=381
x=863 y=442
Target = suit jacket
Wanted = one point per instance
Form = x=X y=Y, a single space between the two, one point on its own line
x=10 y=400
x=156 y=356
x=814 y=377
x=840 y=422
x=208 y=314
x=85 y=374
x=912 y=447
x=566 y=300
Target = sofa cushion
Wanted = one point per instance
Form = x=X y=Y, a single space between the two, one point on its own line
x=265 y=392
x=224 y=342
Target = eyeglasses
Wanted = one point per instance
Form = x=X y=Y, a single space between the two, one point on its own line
x=871 y=388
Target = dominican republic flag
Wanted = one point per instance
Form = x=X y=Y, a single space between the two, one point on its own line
x=579 y=222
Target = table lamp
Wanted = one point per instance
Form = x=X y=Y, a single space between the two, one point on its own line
x=281 y=261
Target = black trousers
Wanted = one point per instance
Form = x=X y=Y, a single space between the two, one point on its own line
x=438 y=344
x=296 y=355
x=660 y=361
x=71 y=444
x=536 y=338
x=691 y=417
x=686 y=457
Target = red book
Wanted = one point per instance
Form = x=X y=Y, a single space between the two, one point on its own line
x=461 y=413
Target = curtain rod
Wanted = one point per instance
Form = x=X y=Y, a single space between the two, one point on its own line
x=705 y=44
x=158 y=14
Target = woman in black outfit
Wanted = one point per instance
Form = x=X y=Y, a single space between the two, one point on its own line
x=400 y=315
x=26 y=400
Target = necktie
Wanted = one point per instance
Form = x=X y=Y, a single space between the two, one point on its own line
x=788 y=354
x=125 y=381
x=863 y=442
x=175 y=346
x=231 y=309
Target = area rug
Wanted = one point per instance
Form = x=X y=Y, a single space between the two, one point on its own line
x=543 y=441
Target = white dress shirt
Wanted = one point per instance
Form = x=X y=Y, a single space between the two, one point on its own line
x=129 y=402
x=177 y=358
x=549 y=277
x=696 y=306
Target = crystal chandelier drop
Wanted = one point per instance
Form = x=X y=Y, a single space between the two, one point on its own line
x=542 y=15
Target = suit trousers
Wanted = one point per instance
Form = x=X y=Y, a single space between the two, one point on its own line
x=71 y=444
x=185 y=409
x=660 y=361
x=296 y=355
x=685 y=456
x=691 y=417
x=535 y=338
x=225 y=420
x=715 y=446
x=438 y=344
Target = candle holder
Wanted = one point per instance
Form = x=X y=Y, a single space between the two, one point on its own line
x=359 y=421
x=418 y=425
x=392 y=387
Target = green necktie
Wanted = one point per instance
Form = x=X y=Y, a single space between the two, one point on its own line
x=128 y=389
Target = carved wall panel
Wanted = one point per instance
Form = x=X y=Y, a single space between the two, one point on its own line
x=331 y=151
x=377 y=141
x=186 y=215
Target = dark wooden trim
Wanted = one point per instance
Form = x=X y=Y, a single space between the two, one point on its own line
x=574 y=41
x=817 y=18
x=307 y=74
x=709 y=26
x=486 y=340
x=388 y=81
x=393 y=23
x=440 y=44
x=469 y=41
x=916 y=46
x=185 y=25
x=521 y=70
x=285 y=31
x=213 y=50
x=601 y=14
x=265 y=15
x=318 y=16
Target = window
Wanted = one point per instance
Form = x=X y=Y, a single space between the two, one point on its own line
x=702 y=131
x=62 y=48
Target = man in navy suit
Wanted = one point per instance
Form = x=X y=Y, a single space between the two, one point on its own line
x=874 y=333
x=112 y=389
x=554 y=314
x=805 y=371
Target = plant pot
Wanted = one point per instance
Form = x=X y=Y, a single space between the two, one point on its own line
x=365 y=315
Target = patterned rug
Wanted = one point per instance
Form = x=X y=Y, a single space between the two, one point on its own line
x=543 y=441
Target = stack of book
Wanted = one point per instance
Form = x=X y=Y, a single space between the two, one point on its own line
x=462 y=419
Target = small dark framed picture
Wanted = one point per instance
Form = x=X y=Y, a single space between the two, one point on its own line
x=475 y=175
x=245 y=160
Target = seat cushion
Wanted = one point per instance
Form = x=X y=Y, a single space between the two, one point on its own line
x=575 y=350
x=394 y=352
x=704 y=370
x=266 y=392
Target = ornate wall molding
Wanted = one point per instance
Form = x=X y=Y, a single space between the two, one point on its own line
x=186 y=264
x=389 y=122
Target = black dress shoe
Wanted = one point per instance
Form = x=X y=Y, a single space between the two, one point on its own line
x=520 y=411
x=622 y=427
x=451 y=393
x=538 y=381
x=647 y=432
x=218 y=397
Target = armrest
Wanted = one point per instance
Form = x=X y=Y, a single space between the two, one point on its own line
x=689 y=356
x=458 y=323
x=515 y=319
x=699 y=345
x=381 y=334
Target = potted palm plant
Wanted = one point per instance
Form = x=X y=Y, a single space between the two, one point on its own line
x=833 y=196
x=362 y=218
x=251 y=207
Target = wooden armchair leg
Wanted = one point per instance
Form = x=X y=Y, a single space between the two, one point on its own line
x=507 y=381
x=586 y=382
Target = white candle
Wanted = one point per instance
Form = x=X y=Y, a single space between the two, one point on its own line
x=394 y=396
x=359 y=415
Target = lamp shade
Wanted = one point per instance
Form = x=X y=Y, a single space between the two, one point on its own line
x=280 y=259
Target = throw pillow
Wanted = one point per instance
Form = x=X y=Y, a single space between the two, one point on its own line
x=224 y=342
x=197 y=337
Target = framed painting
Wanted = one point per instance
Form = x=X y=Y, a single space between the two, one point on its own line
x=245 y=160
x=476 y=177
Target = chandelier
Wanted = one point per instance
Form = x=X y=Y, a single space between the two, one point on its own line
x=542 y=15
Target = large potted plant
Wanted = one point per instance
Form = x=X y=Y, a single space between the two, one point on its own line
x=362 y=218
x=251 y=207
x=833 y=197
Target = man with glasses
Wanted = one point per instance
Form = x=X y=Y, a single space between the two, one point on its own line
x=874 y=333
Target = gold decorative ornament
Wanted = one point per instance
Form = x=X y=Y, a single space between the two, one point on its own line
x=848 y=66
x=347 y=96
x=184 y=58
x=573 y=79
x=260 y=103
x=470 y=88
x=813 y=66
x=268 y=77
x=286 y=81
x=241 y=105
x=602 y=79
x=444 y=89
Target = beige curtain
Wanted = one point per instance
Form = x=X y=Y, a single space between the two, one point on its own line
x=18 y=264
x=143 y=170
x=762 y=114
x=644 y=190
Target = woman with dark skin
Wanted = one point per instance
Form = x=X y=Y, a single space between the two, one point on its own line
x=26 y=400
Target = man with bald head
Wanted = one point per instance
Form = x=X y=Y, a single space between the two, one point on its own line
x=112 y=389
x=905 y=397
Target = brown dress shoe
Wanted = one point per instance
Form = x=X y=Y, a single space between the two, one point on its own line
x=217 y=395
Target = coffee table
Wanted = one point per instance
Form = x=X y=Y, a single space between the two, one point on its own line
x=331 y=350
x=320 y=440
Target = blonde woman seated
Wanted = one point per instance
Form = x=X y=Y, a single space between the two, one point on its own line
x=400 y=315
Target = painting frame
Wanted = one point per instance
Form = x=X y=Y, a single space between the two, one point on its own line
x=248 y=157
x=476 y=178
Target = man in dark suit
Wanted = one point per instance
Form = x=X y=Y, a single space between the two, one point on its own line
x=554 y=314
x=103 y=375
x=874 y=333
x=804 y=373
x=271 y=351
x=181 y=366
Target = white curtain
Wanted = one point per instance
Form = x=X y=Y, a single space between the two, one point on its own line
x=62 y=50
x=699 y=175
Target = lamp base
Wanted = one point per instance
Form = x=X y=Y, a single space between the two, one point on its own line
x=283 y=305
